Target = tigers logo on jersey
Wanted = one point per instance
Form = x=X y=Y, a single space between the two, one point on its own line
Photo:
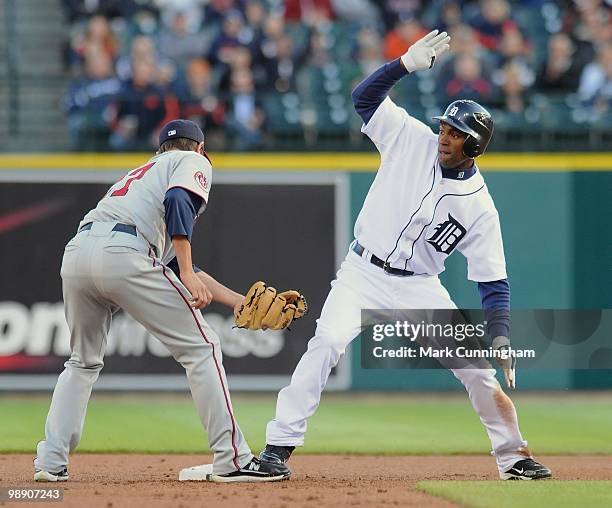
x=447 y=235
x=201 y=179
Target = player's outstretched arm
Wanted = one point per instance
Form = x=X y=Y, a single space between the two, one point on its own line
x=220 y=293
x=371 y=92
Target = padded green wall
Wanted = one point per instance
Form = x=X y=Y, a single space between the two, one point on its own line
x=558 y=245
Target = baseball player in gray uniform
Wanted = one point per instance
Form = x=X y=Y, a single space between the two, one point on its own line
x=133 y=252
x=428 y=199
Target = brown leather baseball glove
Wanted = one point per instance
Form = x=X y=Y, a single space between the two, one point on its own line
x=264 y=308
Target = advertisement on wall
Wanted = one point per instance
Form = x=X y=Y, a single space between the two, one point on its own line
x=236 y=240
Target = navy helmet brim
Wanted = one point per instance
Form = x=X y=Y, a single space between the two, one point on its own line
x=460 y=126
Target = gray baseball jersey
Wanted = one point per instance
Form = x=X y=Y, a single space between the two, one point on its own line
x=138 y=198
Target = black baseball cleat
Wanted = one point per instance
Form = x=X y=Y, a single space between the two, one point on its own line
x=526 y=469
x=276 y=454
x=40 y=475
x=255 y=471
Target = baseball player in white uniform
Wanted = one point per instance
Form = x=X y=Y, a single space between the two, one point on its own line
x=133 y=252
x=428 y=199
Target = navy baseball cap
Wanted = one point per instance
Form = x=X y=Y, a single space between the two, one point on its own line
x=181 y=129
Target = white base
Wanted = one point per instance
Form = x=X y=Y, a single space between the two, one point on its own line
x=196 y=473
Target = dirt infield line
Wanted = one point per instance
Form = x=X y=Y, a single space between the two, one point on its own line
x=111 y=481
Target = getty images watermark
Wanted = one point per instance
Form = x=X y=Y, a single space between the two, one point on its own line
x=460 y=338
x=425 y=344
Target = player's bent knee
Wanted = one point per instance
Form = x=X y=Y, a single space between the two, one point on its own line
x=84 y=367
x=331 y=341
x=194 y=357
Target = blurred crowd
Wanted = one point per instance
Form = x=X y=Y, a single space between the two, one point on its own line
x=253 y=71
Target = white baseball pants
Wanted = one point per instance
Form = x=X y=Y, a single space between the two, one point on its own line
x=361 y=285
x=102 y=271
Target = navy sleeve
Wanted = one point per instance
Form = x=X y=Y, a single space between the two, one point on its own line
x=181 y=211
x=495 y=297
x=370 y=93
x=174 y=266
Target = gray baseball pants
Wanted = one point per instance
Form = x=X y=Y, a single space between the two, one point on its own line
x=103 y=271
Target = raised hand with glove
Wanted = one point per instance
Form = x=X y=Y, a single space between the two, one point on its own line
x=423 y=53
x=264 y=308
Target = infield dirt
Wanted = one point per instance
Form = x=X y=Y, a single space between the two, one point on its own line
x=112 y=481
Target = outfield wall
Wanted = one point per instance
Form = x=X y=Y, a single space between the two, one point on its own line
x=554 y=210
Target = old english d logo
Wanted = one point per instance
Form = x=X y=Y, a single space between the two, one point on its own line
x=447 y=235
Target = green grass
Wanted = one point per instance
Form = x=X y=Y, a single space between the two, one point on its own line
x=481 y=494
x=375 y=424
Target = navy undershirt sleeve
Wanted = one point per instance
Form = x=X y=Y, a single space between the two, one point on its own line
x=495 y=297
x=174 y=266
x=180 y=214
x=370 y=93
x=181 y=211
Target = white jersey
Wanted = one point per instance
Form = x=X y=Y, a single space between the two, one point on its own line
x=414 y=218
x=138 y=198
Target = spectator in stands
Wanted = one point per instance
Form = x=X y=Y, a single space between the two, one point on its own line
x=244 y=117
x=445 y=15
x=87 y=102
x=588 y=21
x=241 y=59
x=369 y=51
x=513 y=46
x=231 y=37
x=492 y=21
x=166 y=77
x=217 y=10
x=140 y=110
x=596 y=80
x=560 y=72
x=141 y=49
x=513 y=49
x=274 y=29
x=191 y=10
x=199 y=101
x=75 y=10
x=468 y=82
x=97 y=33
x=465 y=42
x=278 y=56
x=318 y=54
x=309 y=12
x=281 y=70
x=513 y=88
x=80 y=9
x=404 y=35
x=394 y=11
x=450 y=16
x=255 y=14
x=178 y=44
x=362 y=12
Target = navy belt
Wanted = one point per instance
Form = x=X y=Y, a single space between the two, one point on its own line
x=358 y=249
x=122 y=228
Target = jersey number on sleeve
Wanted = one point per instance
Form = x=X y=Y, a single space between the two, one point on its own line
x=137 y=174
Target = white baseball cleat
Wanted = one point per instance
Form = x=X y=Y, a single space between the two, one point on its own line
x=40 y=475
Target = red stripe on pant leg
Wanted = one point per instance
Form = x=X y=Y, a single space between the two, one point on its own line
x=229 y=408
